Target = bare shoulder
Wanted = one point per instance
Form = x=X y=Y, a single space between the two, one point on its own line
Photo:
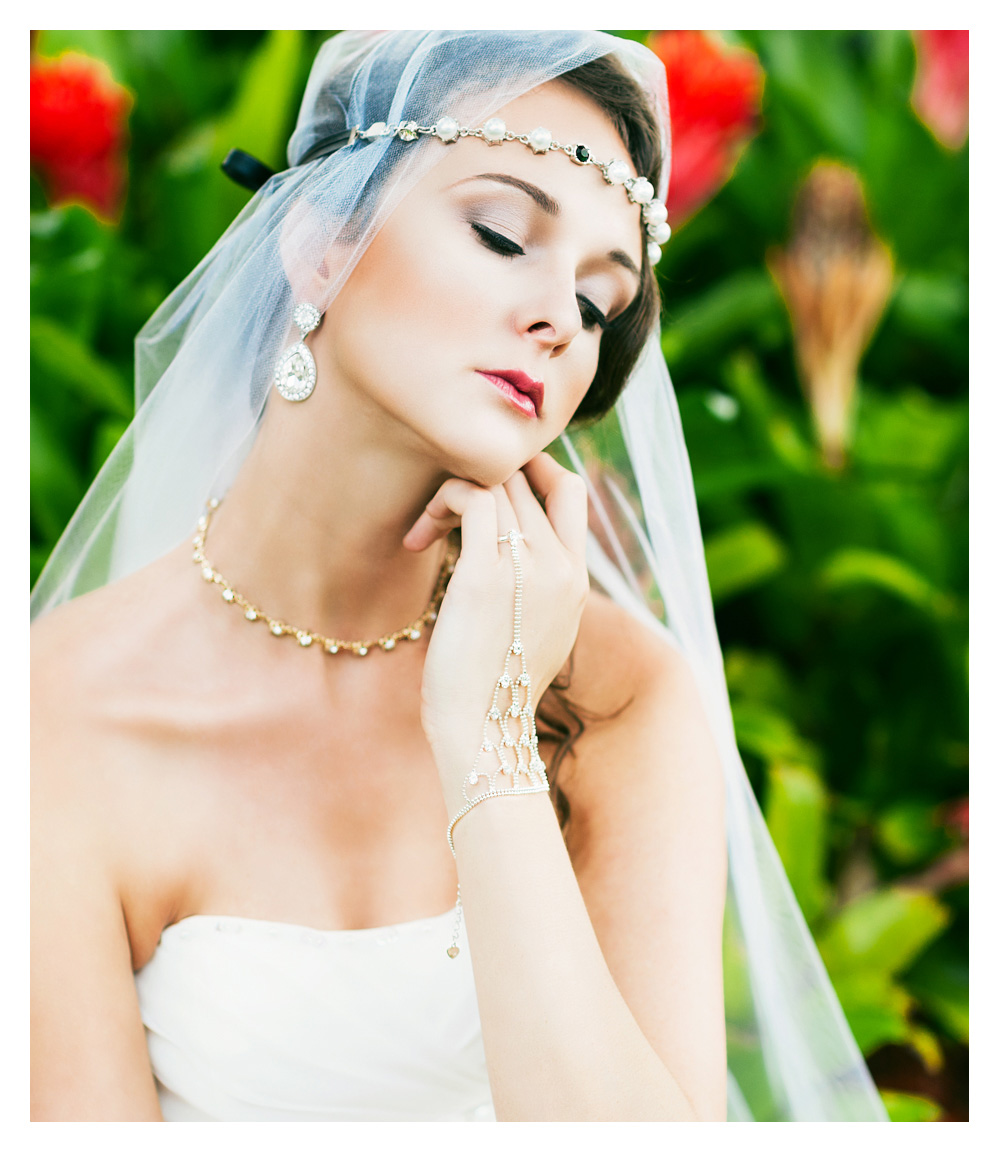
x=80 y=657
x=88 y=1052
x=89 y=635
x=94 y=657
x=645 y=783
x=97 y=791
x=70 y=681
x=618 y=658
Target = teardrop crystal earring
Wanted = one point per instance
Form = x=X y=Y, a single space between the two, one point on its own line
x=295 y=374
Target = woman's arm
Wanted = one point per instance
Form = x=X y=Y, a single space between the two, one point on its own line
x=88 y=1050
x=600 y=987
x=627 y=1023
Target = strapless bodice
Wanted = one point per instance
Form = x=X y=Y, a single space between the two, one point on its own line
x=262 y=1020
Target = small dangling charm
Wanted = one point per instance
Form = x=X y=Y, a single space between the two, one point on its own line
x=295 y=374
x=454 y=950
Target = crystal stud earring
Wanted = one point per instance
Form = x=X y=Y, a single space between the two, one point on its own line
x=295 y=374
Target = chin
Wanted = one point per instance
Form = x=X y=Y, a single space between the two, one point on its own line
x=486 y=456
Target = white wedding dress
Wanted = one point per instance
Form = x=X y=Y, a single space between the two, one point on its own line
x=260 y=1020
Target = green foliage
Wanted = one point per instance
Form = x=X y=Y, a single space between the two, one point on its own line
x=741 y=556
x=195 y=203
x=865 y=946
x=841 y=596
x=197 y=94
x=882 y=930
x=796 y=810
x=903 y=1107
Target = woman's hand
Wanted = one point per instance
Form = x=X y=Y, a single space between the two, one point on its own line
x=474 y=626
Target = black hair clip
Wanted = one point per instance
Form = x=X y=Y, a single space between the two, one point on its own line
x=246 y=170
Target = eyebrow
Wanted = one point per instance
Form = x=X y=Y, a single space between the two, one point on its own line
x=548 y=204
x=551 y=207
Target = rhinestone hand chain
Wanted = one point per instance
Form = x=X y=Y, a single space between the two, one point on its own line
x=519 y=769
x=494 y=131
x=306 y=637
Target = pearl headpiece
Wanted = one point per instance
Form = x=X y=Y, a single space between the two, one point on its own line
x=494 y=131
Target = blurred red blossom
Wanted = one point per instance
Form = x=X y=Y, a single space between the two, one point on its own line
x=940 y=89
x=955 y=816
x=714 y=104
x=78 y=132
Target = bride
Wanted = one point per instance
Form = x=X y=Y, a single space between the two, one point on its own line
x=259 y=777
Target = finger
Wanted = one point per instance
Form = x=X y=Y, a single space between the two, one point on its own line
x=565 y=498
x=506 y=516
x=530 y=515
x=428 y=528
x=458 y=502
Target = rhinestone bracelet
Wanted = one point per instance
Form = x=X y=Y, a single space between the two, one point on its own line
x=518 y=772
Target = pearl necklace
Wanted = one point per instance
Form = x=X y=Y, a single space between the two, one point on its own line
x=306 y=637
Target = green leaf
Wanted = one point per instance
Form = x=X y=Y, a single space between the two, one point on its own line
x=928 y=1046
x=108 y=433
x=810 y=74
x=56 y=487
x=903 y=1107
x=198 y=202
x=796 y=808
x=908 y=432
x=65 y=359
x=258 y=119
x=741 y=557
x=940 y=983
x=860 y=568
x=768 y=734
x=759 y=676
x=72 y=256
x=740 y=304
x=775 y=431
x=908 y=832
x=876 y=1009
x=882 y=931
x=932 y=306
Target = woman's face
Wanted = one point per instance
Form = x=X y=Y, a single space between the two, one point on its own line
x=499 y=261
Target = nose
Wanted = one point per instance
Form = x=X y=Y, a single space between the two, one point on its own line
x=552 y=319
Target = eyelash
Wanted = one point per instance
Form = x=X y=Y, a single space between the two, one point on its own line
x=505 y=247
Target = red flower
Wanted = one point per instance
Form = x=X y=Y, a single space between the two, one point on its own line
x=714 y=103
x=940 y=90
x=955 y=817
x=78 y=132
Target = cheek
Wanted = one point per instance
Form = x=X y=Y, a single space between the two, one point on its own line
x=415 y=294
x=574 y=372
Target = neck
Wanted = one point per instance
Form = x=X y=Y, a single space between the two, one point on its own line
x=311 y=530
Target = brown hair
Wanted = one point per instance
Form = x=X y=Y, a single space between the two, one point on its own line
x=621 y=99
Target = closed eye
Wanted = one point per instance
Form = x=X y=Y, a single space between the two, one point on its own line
x=496 y=241
x=591 y=314
x=503 y=246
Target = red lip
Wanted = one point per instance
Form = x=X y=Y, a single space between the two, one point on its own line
x=535 y=389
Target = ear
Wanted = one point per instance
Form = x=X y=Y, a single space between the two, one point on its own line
x=307 y=254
